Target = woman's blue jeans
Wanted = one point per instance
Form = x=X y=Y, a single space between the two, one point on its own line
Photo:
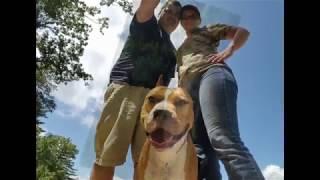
x=216 y=132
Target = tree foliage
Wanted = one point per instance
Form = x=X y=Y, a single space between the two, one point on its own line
x=54 y=157
x=62 y=33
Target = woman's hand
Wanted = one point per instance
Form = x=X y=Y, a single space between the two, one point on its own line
x=238 y=37
x=220 y=57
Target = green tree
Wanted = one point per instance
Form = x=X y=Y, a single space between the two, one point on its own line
x=62 y=32
x=54 y=157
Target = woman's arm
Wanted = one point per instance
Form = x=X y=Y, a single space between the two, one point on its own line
x=237 y=36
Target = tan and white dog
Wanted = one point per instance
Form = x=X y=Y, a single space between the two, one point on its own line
x=168 y=152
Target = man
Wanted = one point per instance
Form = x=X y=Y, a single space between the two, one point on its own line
x=147 y=55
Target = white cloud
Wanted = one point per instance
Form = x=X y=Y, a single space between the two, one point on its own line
x=88 y=120
x=178 y=36
x=66 y=114
x=118 y=178
x=80 y=177
x=87 y=178
x=273 y=172
x=97 y=60
x=77 y=177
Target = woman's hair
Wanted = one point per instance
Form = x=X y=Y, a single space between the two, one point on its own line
x=190 y=7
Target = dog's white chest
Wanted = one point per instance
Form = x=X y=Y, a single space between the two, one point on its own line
x=167 y=165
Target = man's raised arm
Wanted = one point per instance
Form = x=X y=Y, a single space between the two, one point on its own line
x=146 y=10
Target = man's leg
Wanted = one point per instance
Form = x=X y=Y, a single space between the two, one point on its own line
x=218 y=96
x=102 y=173
x=120 y=113
x=137 y=144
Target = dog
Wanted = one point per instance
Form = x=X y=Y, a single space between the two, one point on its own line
x=168 y=152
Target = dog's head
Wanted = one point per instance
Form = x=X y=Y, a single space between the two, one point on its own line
x=167 y=115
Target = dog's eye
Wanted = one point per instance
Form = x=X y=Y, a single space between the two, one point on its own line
x=181 y=102
x=153 y=100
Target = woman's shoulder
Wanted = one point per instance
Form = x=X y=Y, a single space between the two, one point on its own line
x=199 y=29
x=215 y=25
x=208 y=28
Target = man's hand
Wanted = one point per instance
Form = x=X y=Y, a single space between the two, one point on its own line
x=220 y=57
x=146 y=10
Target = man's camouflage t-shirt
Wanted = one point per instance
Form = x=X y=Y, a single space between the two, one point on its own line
x=191 y=55
x=147 y=53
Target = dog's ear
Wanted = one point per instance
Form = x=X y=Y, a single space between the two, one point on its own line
x=143 y=113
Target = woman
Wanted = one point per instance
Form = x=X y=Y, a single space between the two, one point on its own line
x=211 y=83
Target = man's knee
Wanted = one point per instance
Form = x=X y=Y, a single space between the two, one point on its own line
x=102 y=173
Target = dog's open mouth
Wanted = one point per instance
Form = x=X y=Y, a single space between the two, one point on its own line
x=162 y=139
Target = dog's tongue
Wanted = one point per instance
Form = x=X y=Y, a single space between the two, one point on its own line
x=160 y=135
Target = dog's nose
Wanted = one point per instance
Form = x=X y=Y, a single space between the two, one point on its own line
x=161 y=114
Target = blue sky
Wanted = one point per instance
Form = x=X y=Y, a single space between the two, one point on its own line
x=258 y=68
